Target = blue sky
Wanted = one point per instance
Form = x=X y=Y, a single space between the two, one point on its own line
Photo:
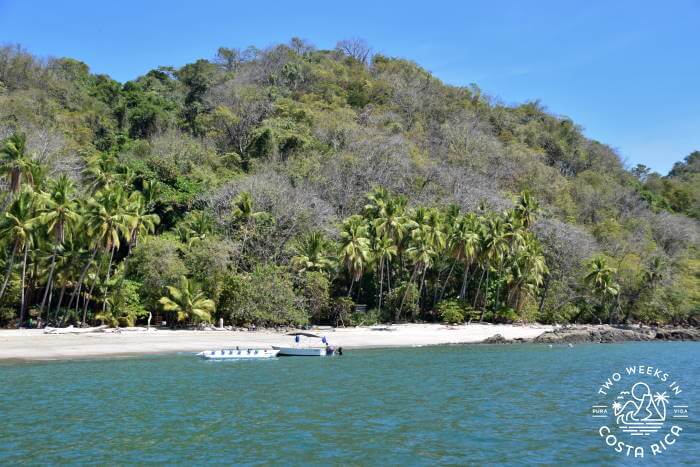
x=627 y=71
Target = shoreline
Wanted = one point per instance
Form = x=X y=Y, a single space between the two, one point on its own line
x=36 y=345
x=26 y=345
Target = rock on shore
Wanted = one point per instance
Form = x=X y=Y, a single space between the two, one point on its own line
x=610 y=334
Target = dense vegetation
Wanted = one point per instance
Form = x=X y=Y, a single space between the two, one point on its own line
x=286 y=185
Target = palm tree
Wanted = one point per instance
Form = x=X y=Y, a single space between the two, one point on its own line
x=384 y=251
x=59 y=213
x=19 y=224
x=390 y=221
x=195 y=227
x=355 y=248
x=15 y=164
x=378 y=199
x=108 y=221
x=101 y=170
x=312 y=254
x=142 y=222
x=654 y=273
x=494 y=245
x=188 y=302
x=600 y=277
x=465 y=246
x=527 y=271
x=243 y=208
x=526 y=206
x=422 y=252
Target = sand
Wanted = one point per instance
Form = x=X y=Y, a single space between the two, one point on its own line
x=34 y=344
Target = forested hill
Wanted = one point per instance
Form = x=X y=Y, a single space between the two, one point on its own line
x=279 y=186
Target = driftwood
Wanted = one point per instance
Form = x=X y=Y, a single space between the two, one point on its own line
x=72 y=330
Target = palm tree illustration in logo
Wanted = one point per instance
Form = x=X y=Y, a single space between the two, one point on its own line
x=643 y=413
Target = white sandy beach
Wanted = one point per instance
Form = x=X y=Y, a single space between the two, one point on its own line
x=34 y=344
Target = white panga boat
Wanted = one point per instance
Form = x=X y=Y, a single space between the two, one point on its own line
x=299 y=350
x=237 y=354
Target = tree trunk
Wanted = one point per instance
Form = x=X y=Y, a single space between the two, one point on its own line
x=381 y=283
x=24 y=272
x=388 y=274
x=109 y=268
x=60 y=299
x=82 y=277
x=478 y=288
x=544 y=294
x=403 y=299
x=420 y=289
x=48 y=284
x=9 y=270
x=465 y=279
x=447 y=281
x=486 y=286
x=48 y=305
x=87 y=300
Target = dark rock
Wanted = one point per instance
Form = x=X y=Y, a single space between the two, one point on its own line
x=497 y=339
x=678 y=334
x=610 y=334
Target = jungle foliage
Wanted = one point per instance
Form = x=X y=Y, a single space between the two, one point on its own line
x=283 y=186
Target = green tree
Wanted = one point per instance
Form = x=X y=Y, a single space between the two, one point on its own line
x=312 y=254
x=355 y=248
x=188 y=302
x=60 y=213
x=16 y=164
x=465 y=243
x=19 y=223
x=141 y=221
x=108 y=221
x=601 y=279
x=384 y=251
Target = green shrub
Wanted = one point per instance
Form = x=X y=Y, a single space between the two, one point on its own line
x=366 y=319
x=451 y=311
x=505 y=315
x=341 y=311
x=263 y=297
x=208 y=261
x=314 y=289
x=7 y=316
x=155 y=263
x=402 y=302
x=124 y=305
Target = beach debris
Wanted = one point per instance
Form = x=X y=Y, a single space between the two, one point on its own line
x=74 y=330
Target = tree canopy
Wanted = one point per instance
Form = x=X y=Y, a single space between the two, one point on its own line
x=341 y=175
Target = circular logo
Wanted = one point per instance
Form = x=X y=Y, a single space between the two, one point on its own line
x=640 y=411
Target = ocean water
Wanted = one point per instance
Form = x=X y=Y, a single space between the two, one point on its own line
x=511 y=404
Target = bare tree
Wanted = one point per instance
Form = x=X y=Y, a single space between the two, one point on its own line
x=301 y=46
x=228 y=59
x=356 y=48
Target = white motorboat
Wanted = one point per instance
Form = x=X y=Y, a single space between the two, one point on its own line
x=302 y=350
x=238 y=354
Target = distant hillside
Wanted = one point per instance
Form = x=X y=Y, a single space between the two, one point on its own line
x=264 y=160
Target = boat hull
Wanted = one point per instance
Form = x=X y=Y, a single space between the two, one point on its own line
x=238 y=354
x=302 y=351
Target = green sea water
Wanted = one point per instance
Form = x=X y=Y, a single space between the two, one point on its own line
x=513 y=404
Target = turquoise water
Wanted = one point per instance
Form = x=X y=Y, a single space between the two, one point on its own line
x=438 y=405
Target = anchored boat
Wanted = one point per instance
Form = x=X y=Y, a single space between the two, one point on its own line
x=238 y=354
x=299 y=350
